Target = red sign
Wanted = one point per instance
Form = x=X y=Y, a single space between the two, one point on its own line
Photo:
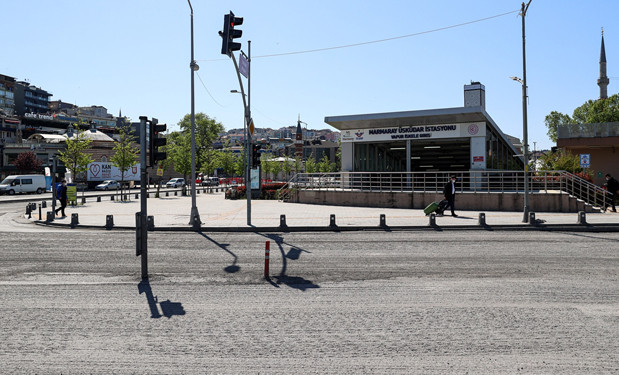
x=478 y=159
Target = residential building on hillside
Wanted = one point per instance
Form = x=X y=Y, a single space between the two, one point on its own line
x=7 y=95
x=30 y=99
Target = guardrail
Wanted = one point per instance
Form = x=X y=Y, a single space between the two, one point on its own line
x=469 y=181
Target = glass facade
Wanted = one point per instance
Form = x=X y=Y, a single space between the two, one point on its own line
x=436 y=155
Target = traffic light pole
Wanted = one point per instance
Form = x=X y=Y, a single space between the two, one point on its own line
x=142 y=232
x=247 y=136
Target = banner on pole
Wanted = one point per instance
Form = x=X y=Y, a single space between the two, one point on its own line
x=244 y=66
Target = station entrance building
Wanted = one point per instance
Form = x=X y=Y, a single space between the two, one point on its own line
x=449 y=139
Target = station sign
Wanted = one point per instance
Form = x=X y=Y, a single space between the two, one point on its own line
x=415 y=132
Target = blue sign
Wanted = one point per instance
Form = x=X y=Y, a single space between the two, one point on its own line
x=585 y=160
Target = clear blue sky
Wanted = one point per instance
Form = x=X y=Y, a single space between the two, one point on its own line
x=134 y=55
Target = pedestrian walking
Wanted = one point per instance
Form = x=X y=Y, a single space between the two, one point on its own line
x=612 y=186
x=61 y=195
x=449 y=191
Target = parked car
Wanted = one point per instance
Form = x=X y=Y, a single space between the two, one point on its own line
x=30 y=183
x=175 y=182
x=210 y=181
x=108 y=185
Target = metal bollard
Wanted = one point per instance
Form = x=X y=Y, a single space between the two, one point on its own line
x=383 y=220
x=167 y=193
x=111 y=197
x=532 y=220
x=98 y=199
x=150 y=223
x=44 y=204
x=136 y=196
x=109 y=221
x=40 y=212
x=482 y=219
x=282 y=221
x=175 y=193
x=267 y=249
x=50 y=217
x=83 y=200
x=29 y=211
x=432 y=219
x=332 y=221
x=582 y=218
x=74 y=220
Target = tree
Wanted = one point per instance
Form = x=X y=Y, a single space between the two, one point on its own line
x=310 y=164
x=591 y=112
x=553 y=121
x=125 y=154
x=179 y=152
x=74 y=155
x=28 y=162
x=560 y=161
x=239 y=165
x=325 y=166
x=225 y=160
x=209 y=163
x=207 y=131
x=265 y=164
x=276 y=168
x=287 y=167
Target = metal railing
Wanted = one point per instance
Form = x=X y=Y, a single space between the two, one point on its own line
x=430 y=182
x=604 y=129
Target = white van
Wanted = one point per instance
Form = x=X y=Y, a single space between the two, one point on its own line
x=28 y=183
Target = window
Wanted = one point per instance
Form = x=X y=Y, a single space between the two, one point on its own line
x=26 y=181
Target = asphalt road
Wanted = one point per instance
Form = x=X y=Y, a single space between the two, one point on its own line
x=360 y=302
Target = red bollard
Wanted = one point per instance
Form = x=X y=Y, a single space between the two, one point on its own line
x=267 y=247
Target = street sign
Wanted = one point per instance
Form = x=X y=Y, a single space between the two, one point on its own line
x=244 y=66
x=585 y=160
x=251 y=127
x=159 y=172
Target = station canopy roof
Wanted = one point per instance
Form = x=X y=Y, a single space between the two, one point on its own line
x=411 y=118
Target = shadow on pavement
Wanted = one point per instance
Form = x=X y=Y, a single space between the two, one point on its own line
x=168 y=308
x=233 y=268
x=293 y=254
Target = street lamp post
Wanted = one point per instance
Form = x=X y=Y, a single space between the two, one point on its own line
x=194 y=219
x=525 y=136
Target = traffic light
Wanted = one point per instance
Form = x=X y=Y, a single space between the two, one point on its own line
x=255 y=155
x=155 y=142
x=229 y=34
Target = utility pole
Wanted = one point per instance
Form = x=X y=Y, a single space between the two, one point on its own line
x=525 y=134
x=249 y=135
x=194 y=219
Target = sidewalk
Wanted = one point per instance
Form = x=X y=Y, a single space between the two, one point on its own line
x=217 y=212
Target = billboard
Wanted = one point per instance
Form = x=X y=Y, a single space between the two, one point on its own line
x=101 y=171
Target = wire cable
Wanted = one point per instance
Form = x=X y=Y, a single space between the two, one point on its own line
x=209 y=93
x=380 y=40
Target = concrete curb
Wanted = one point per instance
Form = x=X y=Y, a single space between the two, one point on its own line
x=597 y=228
